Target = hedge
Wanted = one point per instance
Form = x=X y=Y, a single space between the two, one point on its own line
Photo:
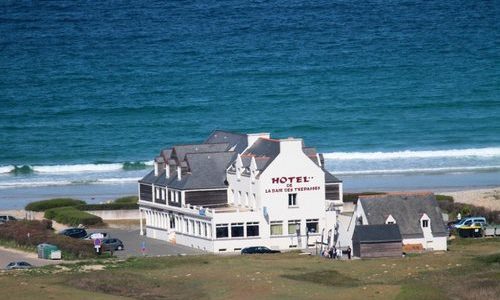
x=31 y=233
x=53 y=203
x=127 y=199
x=72 y=216
x=108 y=206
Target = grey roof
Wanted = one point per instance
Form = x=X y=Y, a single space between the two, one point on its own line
x=406 y=209
x=180 y=151
x=329 y=178
x=264 y=151
x=237 y=141
x=166 y=153
x=150 y=178
x=206 y=171
x=377 y=233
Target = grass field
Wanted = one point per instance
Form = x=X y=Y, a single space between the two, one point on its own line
x=470 y=270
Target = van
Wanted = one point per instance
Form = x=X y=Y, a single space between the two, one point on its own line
x=469 y=221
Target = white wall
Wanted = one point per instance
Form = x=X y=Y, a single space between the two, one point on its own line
x=122 y=214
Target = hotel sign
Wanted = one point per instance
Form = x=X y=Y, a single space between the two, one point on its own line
x=290 y=184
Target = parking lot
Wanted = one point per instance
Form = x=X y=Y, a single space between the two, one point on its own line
x=133 y=242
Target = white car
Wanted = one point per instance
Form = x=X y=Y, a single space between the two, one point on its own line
x=96 y=235
x=469 y=221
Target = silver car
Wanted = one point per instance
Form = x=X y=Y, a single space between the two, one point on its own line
x=18 y=265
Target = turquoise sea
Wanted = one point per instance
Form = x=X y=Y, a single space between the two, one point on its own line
x=91 y=91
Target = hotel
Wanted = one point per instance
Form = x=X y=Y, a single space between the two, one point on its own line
x=239 y=190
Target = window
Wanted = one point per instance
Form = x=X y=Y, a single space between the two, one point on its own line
x=179 y=197
x=205 y=232
x=425 y=223
x=292 y=200
x=236 y=229
x=252 y=228
x=293 y=226
x=191 y=226
x=163 y=194
x=198 y=226
x=172 y=222
x=276 y=227
x=312 y=225
x=186 y=226
x=221 y=231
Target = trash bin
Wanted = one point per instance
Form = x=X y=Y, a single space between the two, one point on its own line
x=45 y=250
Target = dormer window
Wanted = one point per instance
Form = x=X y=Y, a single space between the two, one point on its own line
x=390 y=220
x=425 y=221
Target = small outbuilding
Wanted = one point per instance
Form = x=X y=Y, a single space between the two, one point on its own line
x=370 y=241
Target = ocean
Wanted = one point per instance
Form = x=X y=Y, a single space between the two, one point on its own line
x=91 y=92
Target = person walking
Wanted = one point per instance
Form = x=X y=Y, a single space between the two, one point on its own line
x=330 y=252
x=349 y=252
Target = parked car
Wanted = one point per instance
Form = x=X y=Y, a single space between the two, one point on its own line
x=18 y=265
x=76 y=233
x=258 y=250
x=473 y=230
x=112 y=245
x=5 y=218
x=469 y=221
x=96 y=235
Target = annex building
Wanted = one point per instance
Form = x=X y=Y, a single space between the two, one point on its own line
x=238 y=190
x=417 y=215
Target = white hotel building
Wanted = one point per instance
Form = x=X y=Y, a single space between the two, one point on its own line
x=238 y=190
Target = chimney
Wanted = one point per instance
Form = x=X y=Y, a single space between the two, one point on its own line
x=157 y=168
x=291 y=146
x=159 y=165
x=253 y=137
x=167 y=170
x=179 y=173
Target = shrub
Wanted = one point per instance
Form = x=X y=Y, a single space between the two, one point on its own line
x=444 y=198
x=32 y=233
x=127 y=199
x=71 y=216
x=109 y=206
x=452 y=208
x=53 y=203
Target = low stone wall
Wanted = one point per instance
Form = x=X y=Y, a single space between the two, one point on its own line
x=122 y=214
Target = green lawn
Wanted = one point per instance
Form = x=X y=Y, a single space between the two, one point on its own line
x=470 y=270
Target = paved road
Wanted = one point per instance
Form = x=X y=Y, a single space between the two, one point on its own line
x=9 y=255
x=133 y=244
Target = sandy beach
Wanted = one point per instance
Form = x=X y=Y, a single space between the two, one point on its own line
x=488 y=198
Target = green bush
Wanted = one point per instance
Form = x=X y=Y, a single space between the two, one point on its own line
x=444 y=198
x=72 y=216
x=109 y=206
x=53 y=203
x=127 y=199
x=28 y=234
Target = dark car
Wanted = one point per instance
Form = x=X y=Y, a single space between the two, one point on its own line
x=111 y=245
x=5 y=218
x=258 y=250
x=76 y=233
x=18 y=265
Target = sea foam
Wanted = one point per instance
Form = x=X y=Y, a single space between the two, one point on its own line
x=409 y=154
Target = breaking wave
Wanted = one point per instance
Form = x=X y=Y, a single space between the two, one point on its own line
x=409 y=154
x=421 y=170
x=77 y=168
